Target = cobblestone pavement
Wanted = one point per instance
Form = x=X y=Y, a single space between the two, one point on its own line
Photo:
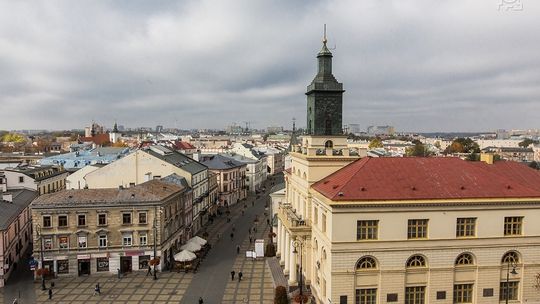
x=135 y=287
x=256 y=285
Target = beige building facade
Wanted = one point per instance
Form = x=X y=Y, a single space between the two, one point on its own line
x=81 y=232
x=403 y=230
x=153 y=163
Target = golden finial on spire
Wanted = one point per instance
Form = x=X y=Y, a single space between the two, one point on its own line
x=324 y=37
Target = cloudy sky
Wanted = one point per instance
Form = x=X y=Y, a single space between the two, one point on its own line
x=445 y=65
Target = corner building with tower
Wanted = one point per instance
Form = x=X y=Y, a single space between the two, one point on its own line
x=403 y=230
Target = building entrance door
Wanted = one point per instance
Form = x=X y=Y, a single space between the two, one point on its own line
x=84 y=267
x=125 y=264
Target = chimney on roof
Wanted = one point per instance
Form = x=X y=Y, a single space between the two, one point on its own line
x=488 y=158
x=8 y=197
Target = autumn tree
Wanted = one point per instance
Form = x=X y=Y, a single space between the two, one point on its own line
x=375 y=143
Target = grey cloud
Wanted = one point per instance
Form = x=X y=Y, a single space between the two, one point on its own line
x=419 y=65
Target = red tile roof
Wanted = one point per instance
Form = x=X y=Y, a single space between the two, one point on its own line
x=182 y=145
x=372 y=179
x=98 y=139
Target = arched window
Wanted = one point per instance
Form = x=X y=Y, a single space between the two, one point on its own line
x=416 y=261
x=464 y=259
x=511 y=257
x=366 y=262
x=328 y=144
x=304 y=176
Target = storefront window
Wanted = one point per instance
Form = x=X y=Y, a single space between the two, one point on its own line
x=102 y=264
x=63 y=266
x=143 y=261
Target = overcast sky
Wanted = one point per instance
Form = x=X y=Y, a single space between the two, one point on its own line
x=418 y=65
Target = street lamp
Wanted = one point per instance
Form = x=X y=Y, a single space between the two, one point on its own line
x=38 y=230
x=297 y=243
x=510 y=263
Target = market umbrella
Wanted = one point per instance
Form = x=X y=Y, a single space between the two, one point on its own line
x=185 y=256
x=191 y=246
x=198 y=240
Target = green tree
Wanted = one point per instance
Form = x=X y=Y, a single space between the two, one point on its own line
x=527 y=142
x=462 y=145
x=375 y=143
x=473 y=157
x=418 y=150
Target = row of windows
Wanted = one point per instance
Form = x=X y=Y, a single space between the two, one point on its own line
x=418 y=228
x=101 y=219
x=102 y=241
x=368 y=262
x=462 y=293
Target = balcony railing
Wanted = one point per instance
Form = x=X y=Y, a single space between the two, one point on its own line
x=294 y=219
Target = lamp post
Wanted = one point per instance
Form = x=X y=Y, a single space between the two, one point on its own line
x=299 y=244
x=155 y=244
x=508 y=272
x=38 y=230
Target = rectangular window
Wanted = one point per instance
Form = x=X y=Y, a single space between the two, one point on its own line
x=102 y=240
x=63 y=242
x=225 y=188
x=63 y=266
x=315 y=215
x=81 y=220
x=47 y=243
x=417 y=229
x=102 y=264
x=126 y=218
x=142 y=217
x=143 y=239
x=225 y=177
x=366 y=296
x=512 y=291
x=47 y=221
x=102 y=219
x=127 y=240
x=367 y=230
x=513 y=225
x=143 y=261
x=466 y=227
x=415 y=295
x=21 y=179
x=82 y=241
x=323 y=222
x=62 y=221
x=463 y=293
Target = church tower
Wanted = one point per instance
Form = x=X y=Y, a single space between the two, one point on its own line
x=321 y=152
x=324 y=98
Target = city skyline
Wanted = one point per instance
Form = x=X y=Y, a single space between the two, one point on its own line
x=445 y=66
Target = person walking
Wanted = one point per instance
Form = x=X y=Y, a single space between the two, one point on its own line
x=232 y=236
x=97 y=290
x=232 y=275
x=50 y=293
x=149 y=272
x=240 y=276
x=237 y=249
x=201 y=300
x=250 y=239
